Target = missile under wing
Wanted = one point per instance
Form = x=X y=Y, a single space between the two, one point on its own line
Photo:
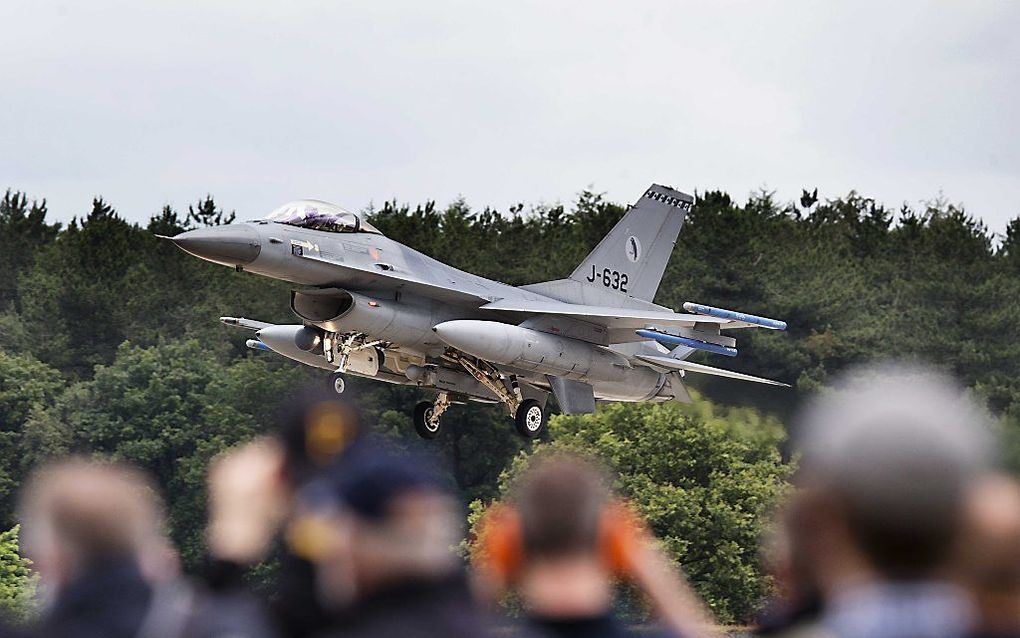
x=369 y=306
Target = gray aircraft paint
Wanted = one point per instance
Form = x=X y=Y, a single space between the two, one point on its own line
x=580 y=329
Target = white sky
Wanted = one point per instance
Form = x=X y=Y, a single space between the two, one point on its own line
x=258 y=103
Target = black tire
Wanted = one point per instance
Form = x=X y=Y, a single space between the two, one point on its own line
x=530 y=419
x=422 y=412
x=338 y=384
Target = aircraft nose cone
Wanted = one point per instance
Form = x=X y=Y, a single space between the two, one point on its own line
x=232 y=245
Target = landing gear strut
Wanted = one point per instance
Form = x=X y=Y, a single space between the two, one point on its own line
x=529 y=415
x=426 y=416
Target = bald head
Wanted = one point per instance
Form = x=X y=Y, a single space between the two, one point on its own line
x=897 y=449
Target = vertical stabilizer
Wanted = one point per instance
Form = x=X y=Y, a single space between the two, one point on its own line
x=631 y=259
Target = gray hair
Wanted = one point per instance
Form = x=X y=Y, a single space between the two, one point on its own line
x=897 y=446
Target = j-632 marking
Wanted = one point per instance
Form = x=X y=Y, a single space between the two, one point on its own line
x=609 y=278
x=371 y=307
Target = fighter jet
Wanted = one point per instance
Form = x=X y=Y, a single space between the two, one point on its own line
x=371 y=307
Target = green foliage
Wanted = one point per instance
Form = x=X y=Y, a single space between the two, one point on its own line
x=26 y=388
x=104 y=281
x=475 y=444
x=23 y=230
x=109 y=344
x=704 y=477
x=17 y=583
x=169 y=409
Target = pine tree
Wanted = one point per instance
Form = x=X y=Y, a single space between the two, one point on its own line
x=207 y=214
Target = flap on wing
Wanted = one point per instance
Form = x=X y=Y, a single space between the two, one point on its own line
x=676 y=364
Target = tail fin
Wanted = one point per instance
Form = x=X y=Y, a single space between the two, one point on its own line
x=632 y=257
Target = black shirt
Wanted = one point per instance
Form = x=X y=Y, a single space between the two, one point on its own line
x=603 y=626
x=110 y=600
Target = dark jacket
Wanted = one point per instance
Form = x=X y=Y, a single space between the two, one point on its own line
x=293 y=608
x=417 y=610
x=604 y=626
x=111 y=600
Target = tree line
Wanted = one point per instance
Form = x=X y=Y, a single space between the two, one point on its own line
x=109 y=344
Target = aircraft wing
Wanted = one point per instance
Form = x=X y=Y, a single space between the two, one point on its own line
x=612 y=318
x=388 y=277
x=623 y=325
x=670 y=363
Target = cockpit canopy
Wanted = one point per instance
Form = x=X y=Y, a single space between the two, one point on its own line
x=316 y=215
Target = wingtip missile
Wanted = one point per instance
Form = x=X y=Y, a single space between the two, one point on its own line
x=733 y=315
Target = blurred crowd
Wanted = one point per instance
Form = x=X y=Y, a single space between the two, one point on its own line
x=898 y=525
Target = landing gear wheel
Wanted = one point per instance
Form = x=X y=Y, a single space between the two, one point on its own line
x=425 y=422
x=530 y=419
x=339 y=385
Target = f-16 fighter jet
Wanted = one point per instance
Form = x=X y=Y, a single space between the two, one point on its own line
x=372 y=307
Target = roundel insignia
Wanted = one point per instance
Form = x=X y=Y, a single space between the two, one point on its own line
x=633 y=248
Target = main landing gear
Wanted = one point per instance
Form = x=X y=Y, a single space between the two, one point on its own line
x=529 y=419
x=426 y=416
x=528 y=414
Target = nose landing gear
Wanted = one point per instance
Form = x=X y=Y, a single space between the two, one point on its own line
x=339 y=385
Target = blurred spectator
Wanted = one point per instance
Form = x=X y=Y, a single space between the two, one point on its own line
x=253 y=500
x=990 y=555
x=562 y=545
x=384 y=533
x=796 y=600
x=94 y=532
x=888 y=460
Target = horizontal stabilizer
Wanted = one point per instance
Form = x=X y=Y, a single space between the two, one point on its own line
x=675 y=364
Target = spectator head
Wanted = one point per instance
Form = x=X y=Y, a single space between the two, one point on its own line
x=79 y=514
x=989 y=558
x=560 y=542
x=560 y=501
x=785 y=560
x=315 y=427
x=386 y=521
x=888 y=457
